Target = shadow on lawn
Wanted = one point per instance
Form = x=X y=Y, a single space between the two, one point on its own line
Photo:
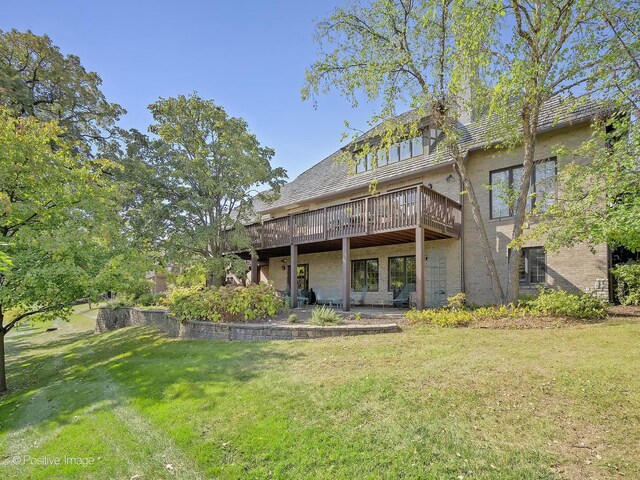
x=57 y=380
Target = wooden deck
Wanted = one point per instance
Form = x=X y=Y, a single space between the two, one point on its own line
x=394 y=211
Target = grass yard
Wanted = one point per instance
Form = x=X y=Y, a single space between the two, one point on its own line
x=427 y=403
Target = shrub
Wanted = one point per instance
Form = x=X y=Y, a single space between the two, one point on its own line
x=224 y=304
x=458 y=301
x=293 y=318
x=564 y=304
x=460 y=317
x=149 y=300
x=324 y=316
x=136 y=291
x=440 y=316
x=627 y=276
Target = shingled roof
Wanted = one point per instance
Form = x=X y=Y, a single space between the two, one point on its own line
x=328 y=178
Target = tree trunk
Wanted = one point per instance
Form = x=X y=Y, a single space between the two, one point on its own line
x=3 y=373
x=214 y=280
x=530 y=126
x=496 y=286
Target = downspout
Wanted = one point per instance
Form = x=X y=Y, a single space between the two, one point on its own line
x=461 y=201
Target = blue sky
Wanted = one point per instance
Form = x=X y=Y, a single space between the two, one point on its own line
x=248 y=56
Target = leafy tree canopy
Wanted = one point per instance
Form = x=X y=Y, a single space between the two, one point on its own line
x=195 y=180
x=36 y=79
x=60 y=234
x=498 y=58
x=56 y=221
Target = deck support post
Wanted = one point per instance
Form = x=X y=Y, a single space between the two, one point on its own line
x=254 y=268
x=420 y=267
x=294 y=276
x=346 y=274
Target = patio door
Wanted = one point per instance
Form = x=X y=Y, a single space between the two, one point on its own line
x=437 y=281
x=302 y=277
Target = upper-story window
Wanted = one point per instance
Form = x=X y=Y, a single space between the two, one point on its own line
x=505 y=185
x=399 y=151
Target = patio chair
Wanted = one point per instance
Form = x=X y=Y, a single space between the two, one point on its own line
x=403 y=300
x=321 y=298
x=334 y=298
x=303 y=298
x=363 y=294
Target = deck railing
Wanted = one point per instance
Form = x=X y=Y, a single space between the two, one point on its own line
x=398 y=210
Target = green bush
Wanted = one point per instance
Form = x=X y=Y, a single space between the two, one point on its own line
x=451 y=316
x=149 y=299
x=136 y=291
x=324 y=316
x=293 y=318
x=440 y=316
x=559 y=303
x=628 y=277
x=224 y=304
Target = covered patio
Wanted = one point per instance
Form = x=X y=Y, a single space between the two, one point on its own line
x=411 y=215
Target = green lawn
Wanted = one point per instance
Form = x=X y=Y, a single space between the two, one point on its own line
x=427 y=403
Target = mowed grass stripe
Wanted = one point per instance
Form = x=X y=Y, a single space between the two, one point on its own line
x=427 y=403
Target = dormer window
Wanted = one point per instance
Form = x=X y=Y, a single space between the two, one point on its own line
x=410 y=148
x=362 y=164
x=394 y=154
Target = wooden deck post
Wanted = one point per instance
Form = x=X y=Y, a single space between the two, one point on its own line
x=294 y=276
x=254 y=268
x=346 y=273
x=420 y=268
x=366 y=215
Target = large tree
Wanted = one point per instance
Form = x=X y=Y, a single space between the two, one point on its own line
x=196 y=179
x=36 y=79
x=600 y=202
x=56 y=223
x=403 y=54
x=503 y=59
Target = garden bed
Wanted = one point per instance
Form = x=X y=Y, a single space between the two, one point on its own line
x=278 y=329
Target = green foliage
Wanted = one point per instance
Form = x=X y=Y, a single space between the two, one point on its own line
x=460 y=317
x=5 y=261
x=194 y=183
x=628 y=277
x=141 y=296
x=125 y=274
x=358 y=316
x=504 y=59
x=458 y=301
x=556 y=303
x=324 y=316
x=560 y=303
x=57 y=224
x=224 y=304
x=37 y=80
x=600 y=200
x=293 y=318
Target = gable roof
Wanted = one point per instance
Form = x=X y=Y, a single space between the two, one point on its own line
x=328 y=178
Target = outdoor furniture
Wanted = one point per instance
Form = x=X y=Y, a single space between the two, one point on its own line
x=382 y=301
x=321 y=298
x=403 y=298
x=334 y=298
x=363 y=294
x=302 y=298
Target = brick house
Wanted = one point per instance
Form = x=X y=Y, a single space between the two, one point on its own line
x=327 y=233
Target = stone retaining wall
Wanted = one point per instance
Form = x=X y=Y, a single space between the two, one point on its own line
x=110 y=319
